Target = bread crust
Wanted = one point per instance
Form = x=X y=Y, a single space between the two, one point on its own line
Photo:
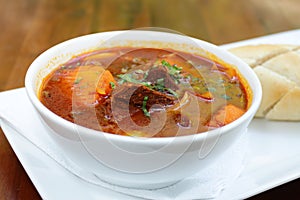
x=255 y=55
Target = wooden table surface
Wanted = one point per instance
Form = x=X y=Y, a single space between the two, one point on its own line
x=29 y=27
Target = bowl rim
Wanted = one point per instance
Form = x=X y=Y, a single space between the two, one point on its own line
x=256 y=94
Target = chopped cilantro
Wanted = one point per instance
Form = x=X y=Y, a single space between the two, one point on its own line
x=144 y=108
x=112 y=85
x=159 y=85
x=173 y=69
x=172 y=92
x=127 y=78
x=147 y=84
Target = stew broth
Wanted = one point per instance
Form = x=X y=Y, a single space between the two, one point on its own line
x=146 y=92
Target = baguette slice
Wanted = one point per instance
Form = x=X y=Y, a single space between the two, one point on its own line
x=288 y=108
x=286 y=64
x=274 y=87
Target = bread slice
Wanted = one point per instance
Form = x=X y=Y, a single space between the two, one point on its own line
x=286 y=64
x=274 y=87
x=288 y=108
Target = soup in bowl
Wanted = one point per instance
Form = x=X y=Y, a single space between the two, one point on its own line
x=142 y=109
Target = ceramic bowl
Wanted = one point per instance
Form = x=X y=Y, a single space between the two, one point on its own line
x=132 y=161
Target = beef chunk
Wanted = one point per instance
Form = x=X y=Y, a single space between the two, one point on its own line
x=159 y=72
x=133 y=94
x=127 y=101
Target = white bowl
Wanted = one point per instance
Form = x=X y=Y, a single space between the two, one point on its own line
x=131 y=161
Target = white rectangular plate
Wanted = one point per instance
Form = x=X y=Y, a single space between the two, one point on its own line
x=273 y=155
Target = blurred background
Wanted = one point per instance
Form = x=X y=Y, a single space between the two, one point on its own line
x=29 y=27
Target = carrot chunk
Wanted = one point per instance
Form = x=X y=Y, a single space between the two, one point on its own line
x=226 y=115
x=90 y=83
x=105 y=83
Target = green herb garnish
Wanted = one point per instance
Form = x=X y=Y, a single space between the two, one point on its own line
x=144 y=108
x=112 y=85
x=127 y=78
x=147 y=84
x=159 y=85
x=173 y=69
x=172 y=92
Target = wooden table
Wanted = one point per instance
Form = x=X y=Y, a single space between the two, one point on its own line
x=28 y=27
